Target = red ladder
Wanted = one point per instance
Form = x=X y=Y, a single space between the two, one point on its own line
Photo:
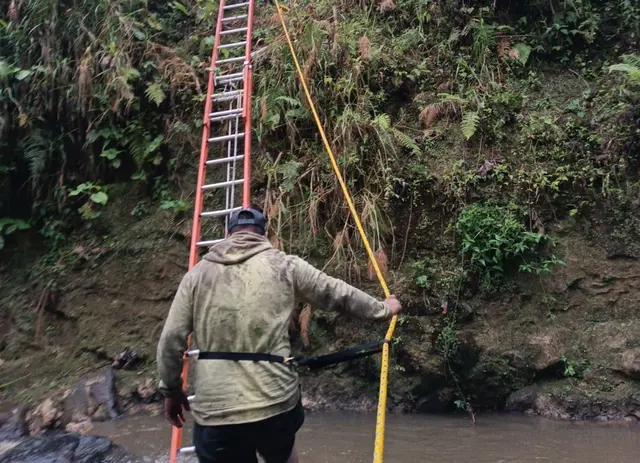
x=230 y=88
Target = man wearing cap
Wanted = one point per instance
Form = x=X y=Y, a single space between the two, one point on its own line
x=237 y=302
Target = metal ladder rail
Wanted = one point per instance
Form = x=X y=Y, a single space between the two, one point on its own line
x=233 y=115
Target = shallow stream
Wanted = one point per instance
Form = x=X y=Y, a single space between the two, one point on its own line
x=338 y=437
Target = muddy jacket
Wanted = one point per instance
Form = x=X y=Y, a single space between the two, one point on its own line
x=239 y=298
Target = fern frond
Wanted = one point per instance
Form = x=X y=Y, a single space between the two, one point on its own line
x=383 y=121
x=469 y=124
x=155 y=93
x=406 y=141
x=35 y=149
x=632 y=71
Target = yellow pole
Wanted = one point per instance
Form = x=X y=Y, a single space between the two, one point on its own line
x=378 y=454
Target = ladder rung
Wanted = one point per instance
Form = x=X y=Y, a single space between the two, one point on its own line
x=212 y=186
x=223 y=115
x=226 y=112
x=191 y=449
x=227 y=96
x=208 y=242
x=230 y=60
x=193 y=353
x=226 y=137
x=220 y=212
x=234 y=31
x=234 y=18
x=233 y=44
x=236 y=5
x=213 y=162
x=229 y=80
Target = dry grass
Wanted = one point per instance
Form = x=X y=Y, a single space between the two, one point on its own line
x=387 y=5
x=14 y=11
x=364 y=48
x=85 y=76
x=434 y=111
x=304 y=318
x=383 y=264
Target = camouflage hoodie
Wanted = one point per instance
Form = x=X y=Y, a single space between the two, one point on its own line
x=239 y=298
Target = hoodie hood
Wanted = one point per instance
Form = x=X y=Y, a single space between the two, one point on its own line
x=239 y=247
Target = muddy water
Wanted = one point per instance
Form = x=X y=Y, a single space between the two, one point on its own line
x=348 y=438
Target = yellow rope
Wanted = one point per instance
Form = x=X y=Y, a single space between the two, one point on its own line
x=384 y=371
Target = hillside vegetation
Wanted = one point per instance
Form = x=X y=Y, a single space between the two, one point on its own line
x=492 y=148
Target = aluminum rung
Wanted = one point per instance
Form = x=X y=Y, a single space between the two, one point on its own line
x=227 y=96
x=213 y=186
x=226 y=137
x=234 y=31
x=233 y=44
x=224 y=115
x=236 y=5
x=220 y=212
x=193 y=353
x=230 y=60
x=226 y=112
x=214 y=162
x=227 y=78
x=208 y=242
x=191 y=449
x=234 y=18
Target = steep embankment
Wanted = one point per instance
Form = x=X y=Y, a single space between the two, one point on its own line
x=492 y=150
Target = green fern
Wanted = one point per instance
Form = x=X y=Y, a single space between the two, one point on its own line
x=630 y=65
x=155 y=93
x=406 y=141
x=383 y=121
x=470 y=122
x=35 y=149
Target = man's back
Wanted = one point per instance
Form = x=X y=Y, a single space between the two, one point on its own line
x=239 y=298
x=243 y=295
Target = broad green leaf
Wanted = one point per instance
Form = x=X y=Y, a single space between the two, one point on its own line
x=23 y=74
x=521 y=53
x=99 y=198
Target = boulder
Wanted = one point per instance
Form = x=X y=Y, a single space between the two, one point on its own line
x=531 y=401
x=93 y=397
x=91 y=449
x=13 y=425
x=545 y=351
x=61 y=447
x=47 y=415
x=630 y=363
x=435 y=402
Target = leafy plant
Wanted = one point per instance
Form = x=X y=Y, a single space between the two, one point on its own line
x=8 y=226
x=95 y=196
x=492 y=237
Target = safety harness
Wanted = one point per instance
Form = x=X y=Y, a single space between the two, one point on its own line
x=320 y=361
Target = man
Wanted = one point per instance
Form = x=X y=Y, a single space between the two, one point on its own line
x=238 y=299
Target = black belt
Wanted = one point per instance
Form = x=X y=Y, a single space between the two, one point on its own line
x=361 y=350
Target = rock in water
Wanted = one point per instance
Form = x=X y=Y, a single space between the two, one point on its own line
x=91 y=395
x=13 y=425
x=91 y=450
x=52 y=447
x=60 y=447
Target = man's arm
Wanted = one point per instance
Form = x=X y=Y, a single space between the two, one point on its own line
x=328 y=293
x=173 y=341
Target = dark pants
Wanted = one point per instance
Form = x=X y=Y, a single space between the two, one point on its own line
x=272 y=438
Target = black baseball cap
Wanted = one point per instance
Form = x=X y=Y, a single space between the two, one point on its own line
x=256 y=218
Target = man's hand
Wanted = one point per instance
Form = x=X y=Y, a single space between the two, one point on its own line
x=173 y=406
x=394 y=305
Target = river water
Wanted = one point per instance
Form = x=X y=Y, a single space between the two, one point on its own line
x=338 y=437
